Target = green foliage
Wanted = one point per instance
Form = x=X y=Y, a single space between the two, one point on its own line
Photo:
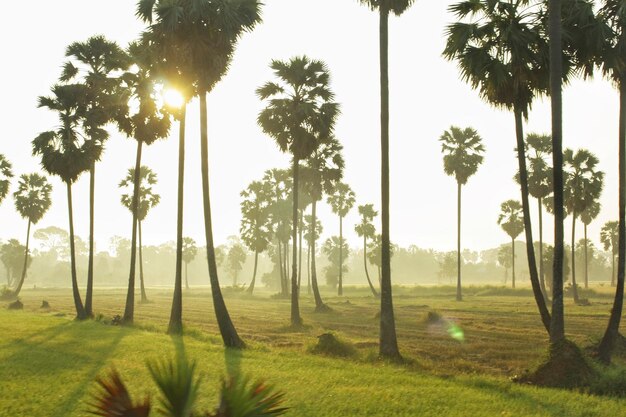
x=397 y=7
x=538 y=154
x=375 y=253
x=612 y=16
x=609 y=235
x=341 y=199
x=235 y=259
x=241 y=397
x=178 y=385
x=463 y=153
x=256 y=215
x=583 y=182
x=511 y=218
x=366 y=227
x=5 y=176
x=148 y=199
x=277 y=185
x=32 y=198
x=12 y=257
x=448 y=265
x=114 y=400
x=331 y=249
x=323 y=170
x=190 y=250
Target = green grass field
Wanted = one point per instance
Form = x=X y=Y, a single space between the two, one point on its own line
x=48 y=362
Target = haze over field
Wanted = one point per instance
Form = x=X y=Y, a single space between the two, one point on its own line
x=426 y=97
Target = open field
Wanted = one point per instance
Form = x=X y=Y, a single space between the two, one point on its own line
x=48 y=362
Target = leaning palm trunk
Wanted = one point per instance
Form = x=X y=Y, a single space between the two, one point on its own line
x=530 y=250
x=296 y=320
x=256 y=263
x=610 y=335
x=227 y=329
x=23 y=277
x=176 y=315
x=388 y=340
x=367 y=274
x=319 y=304
x=78 y=303
x=129 y=311
x=92 y=203
x=144 y=297
x=574 y=286
x=557 y=322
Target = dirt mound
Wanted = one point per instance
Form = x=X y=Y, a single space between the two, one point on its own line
x=328 y=344
x=16 y=305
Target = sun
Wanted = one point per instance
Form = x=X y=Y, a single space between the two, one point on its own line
x=172 y=98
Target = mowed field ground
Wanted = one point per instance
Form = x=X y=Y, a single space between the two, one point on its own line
x=48 y=362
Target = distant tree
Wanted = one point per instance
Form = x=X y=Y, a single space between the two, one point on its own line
x=367 y=230
x=300 y=112
x=548 y=258
x=609 y=235
x=341 y=201
x=448 y=264
x=312 y=234
x=512 y=222
x=12 y=256
x=505 y=257
x=333 y=248
x=5 y=176
x=256 y=226
x=587 y=216
x=583 y=186
x=235 y=260
x=463 y=153
x=147 y=199
x=375 y=254
x=65 y=154
x=54 y=240
x=190 y=250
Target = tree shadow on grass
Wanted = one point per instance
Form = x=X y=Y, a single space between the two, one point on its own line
x=37 y=337
x=232 y=360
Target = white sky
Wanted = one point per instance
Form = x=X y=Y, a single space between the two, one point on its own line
x=427 y=97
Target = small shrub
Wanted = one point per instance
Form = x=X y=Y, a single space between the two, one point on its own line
x=16 y=305
x=328 y=344
x=45 y=304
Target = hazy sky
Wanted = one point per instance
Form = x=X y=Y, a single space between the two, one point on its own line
x=427 y=97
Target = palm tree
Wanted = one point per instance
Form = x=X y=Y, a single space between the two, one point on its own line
x=538 y=150
x=64 y=153
x=256 y=227
x=583 y=185
x=97 y=63
x=147 y=123
x=147 y=199
x=203 y=35
x=312 y=234
x=323 y=171
x=32 y=200
x=341 y=202
x=190 y=250
x=300 y=112
x=505 y=259
x=334 y=248
x=587 y=216
x=366 y=230
x=508 y=76
x=5 y=176
x=463 y=153
x=388 y=340
x=609 y=237
x=613 y=14
x=512 y=222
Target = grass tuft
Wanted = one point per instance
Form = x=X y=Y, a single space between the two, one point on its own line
x=330 y=345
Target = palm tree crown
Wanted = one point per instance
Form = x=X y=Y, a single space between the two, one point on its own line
x=463 y=151
x=510 y=218
x=366 y=228
x=32 y=198
x=583 y=183
x=397 y=7
x=342 y=199
x=148 y=199
x=256 y=227
x=5 y=176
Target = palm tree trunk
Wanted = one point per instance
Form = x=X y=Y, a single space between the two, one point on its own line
x=388 y=339
x=186 y=276
x=319 y=304
x=144 y=297
x=459 y=295
x=530 y=250
x=557 y=322
x=300 y=249
x=227 y=329
x=308 y=268
x=176 y=315
x=92 y=202
x=340 y=287
x=296 y=320
x=25 y=267
x=574 y=286
x=610 y=335
x=586 y=261
x=513 y=262
x=542 y=278
x=367 y=274
x=285 y=266
x=129 y=311
x=78 y=303
x=256 y=263
x=612 y=269
x=283 y=290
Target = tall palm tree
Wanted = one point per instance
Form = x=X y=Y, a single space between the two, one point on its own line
x=388 y=339
x=312 y=234
x=341 y=202
x=300 y=112
x=508 y=76
x=613 y=14
x=323 y=171
x=588 y=216
x=512 y=222
x=6 y=174
x=64 y=153
x=583 y=185
x=97 y=63
x=203 y=34
x=609 y=237
x=367 y=230
x=146 y=123
x=32 y=201
x=538 y=150
x=256 y=227
x=463 y=153
x=190 y=250
x=147 y=199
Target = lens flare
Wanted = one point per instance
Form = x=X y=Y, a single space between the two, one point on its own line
x=456 y=332
x=173 y=98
